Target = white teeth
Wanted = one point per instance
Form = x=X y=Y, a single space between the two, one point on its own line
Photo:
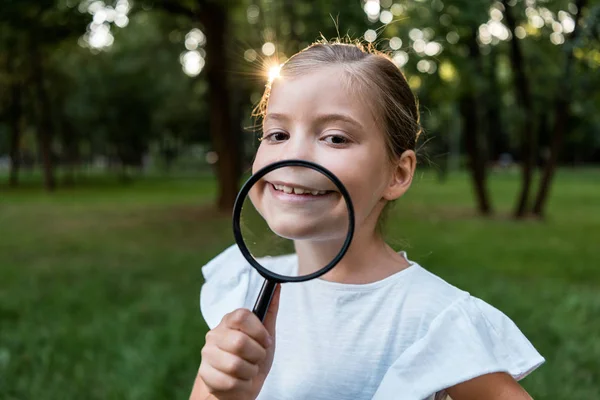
x=289 y=190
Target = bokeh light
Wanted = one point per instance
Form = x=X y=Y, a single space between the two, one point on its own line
x=447 y=72
x=252 y=14
x=566 y=21
x=419 y=46
x=370 y=35
x=521 y=32
x=250 y=55
x=496 y=14
x=99 y=35
x=372 y=9
x=386 y=17
x=452 y=37
x=193 y=62
x=400 y=58
x=445 y=20
x=121 y=21
x=433 y=48
x=212 y=157
x=395 y=43
x=557 y=38
x=415 y=34
x=397 y=9
x=268 y=49
x=426 y=66
x=414 y=82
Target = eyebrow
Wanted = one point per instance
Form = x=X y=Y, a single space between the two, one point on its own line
x=324 y=118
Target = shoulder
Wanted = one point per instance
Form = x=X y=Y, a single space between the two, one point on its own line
x=424 y=285
x=459 y=337
x=426 y=296
x=449 y=307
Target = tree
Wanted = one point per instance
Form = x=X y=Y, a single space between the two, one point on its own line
x=561 y=114
x=40 y=26
x=124 y=101
x=525 y=102
x=471 y=111
x=14 y=111
x=213 y=17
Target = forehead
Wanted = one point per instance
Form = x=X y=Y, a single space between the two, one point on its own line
x=325 y=90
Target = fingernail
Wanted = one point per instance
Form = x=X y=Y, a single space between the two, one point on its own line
x=269 y=341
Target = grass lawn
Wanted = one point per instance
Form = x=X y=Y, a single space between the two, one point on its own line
x=99 y=284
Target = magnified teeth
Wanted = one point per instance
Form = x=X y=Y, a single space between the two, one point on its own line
x=290 y=190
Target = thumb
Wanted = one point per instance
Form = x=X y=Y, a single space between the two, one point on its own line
x=271 y=317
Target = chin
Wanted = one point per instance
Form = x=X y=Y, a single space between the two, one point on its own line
x=293 y=229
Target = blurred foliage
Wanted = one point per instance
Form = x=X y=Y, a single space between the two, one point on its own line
x=112 y=73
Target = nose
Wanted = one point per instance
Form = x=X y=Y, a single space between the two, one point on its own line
x=298 y=147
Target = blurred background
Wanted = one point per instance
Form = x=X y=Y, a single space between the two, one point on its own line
x=126 y=128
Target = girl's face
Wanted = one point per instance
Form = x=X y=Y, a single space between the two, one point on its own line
x=316 y=117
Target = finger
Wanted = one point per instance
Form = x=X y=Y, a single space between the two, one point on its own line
x=218 y=381
x=246 y=321
x=238 y=343
x=271 y=317
x=229 y=364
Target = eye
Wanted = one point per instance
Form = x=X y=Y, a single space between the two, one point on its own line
x=336 y=140
x=275 y=137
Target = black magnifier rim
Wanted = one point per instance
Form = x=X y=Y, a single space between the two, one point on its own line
x=237 y=212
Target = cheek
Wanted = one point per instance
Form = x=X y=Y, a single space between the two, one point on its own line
x=264 y=156
x=258 y=160
x=365 y=185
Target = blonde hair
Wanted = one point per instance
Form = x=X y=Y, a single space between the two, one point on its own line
x=371 y=71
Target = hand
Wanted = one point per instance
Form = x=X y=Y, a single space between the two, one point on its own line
x=238 y=353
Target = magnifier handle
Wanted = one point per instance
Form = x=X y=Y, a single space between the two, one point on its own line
x=264 y=299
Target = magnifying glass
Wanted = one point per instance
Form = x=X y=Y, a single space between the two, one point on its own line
x=288 y=206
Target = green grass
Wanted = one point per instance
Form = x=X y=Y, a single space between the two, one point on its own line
x=99 y=284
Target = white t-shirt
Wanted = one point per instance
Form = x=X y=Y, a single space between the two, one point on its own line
x=406 y=337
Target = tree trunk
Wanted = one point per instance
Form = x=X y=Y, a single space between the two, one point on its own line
x=45 y=129
x=470 y=112
x=468 y=109
x=15 y=113
x=497 y=140
x=213 y=16
x=70 y=151
x=561 y=113
x=15 y=139
x=523 y=95
x=226 y=144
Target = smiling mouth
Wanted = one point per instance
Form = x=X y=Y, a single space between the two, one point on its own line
x=298 y=190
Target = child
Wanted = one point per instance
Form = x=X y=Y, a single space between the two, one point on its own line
x=377 y=326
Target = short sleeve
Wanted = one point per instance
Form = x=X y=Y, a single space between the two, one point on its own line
x=469 y=338
x=228 y=281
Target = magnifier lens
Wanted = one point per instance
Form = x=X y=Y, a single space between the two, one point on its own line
x=291 y=207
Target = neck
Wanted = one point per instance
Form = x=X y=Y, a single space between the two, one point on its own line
x=368 y=259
